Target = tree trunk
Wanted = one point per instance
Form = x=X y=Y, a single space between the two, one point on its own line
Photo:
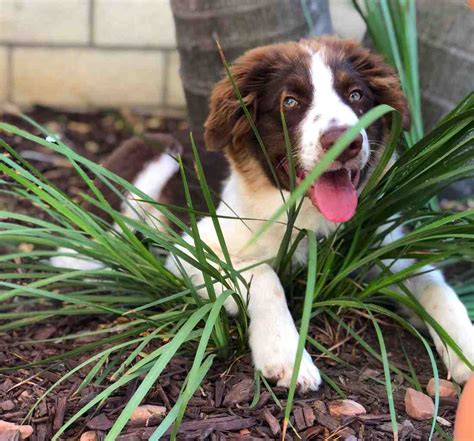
x=239 y=25
x=446 y=48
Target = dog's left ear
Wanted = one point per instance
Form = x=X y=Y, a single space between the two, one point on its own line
x=226 y=122
x=382 y=80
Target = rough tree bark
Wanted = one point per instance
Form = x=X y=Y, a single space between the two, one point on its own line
x=446 y=54
x=239 y=25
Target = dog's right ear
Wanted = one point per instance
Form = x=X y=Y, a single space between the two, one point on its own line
x=227 y=123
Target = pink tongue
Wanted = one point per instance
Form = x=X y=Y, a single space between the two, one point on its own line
x=335 y=196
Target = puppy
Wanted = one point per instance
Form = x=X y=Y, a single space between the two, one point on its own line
x=324 y=86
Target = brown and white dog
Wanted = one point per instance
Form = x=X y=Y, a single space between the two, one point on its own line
x=323 y=85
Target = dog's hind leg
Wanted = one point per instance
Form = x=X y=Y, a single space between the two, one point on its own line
x=148 y=163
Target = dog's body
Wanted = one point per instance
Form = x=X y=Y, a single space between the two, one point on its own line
x=323 y=86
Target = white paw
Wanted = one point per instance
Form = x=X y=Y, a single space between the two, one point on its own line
x=75 y=263
x=274 y=355
x=457 y=369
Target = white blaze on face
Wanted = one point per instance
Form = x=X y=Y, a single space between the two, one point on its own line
x=327 y=110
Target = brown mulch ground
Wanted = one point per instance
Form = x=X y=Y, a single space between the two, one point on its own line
x=220 y=410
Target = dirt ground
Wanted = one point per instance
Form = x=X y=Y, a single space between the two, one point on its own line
x=220 y=410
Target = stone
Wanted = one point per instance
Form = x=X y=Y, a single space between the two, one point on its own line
x=147 y=414
x=25 y=396
x=446 y=389
x=89 y=436
x=7 y=405
x=25 y=431
x=10 y=435
x=418 y=405
x=346 y=408
x=443 y=421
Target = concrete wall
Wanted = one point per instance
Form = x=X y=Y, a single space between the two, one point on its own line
x=101 y=53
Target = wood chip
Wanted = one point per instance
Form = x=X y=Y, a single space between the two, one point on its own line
x=60 y=412
x=130 y=437
x=406 y=429
x=346 y=408
x=328 y=421
x=373 y=419
x=446 y=389
x=308 y=415
x=164 y=397
x=418 y=405
x=99 y=422
x=272 y=422
x=320 y=406
x=42 y=432
x=312 y=432
x=219 y=393
x=218 y=424
x=298 y=415
x=241 y=392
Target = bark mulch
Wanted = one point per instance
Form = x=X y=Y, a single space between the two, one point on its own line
x=220 y=409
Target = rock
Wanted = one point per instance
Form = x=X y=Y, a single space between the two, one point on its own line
x=346 y=408
x=443 y=421
x=369 y=373
x=25 y=431
x=446 y=389
x=10 y=435
x=89 y=436
x=6 y=385
x=418 y=405
x=99 y=422
x=241 y=392
x=147 y=415
x=25 y=396
x=7 y=405
x=44 y=332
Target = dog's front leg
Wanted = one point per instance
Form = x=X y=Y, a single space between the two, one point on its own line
x=441 y=302
x=273 y=336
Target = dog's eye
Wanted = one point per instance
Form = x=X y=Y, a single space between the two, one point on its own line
x=290 y=103
x=355 y=95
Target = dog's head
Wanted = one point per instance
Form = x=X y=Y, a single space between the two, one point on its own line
x=323 y=86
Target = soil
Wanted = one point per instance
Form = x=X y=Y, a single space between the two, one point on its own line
x=221 y=408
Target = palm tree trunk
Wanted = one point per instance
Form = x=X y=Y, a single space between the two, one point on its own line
x=239 y=25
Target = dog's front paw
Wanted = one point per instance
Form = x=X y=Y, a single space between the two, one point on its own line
x=275 y=358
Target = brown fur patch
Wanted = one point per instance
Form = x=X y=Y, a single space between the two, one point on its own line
x=127 y=161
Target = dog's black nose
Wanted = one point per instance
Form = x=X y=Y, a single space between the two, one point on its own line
x=329 y=138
